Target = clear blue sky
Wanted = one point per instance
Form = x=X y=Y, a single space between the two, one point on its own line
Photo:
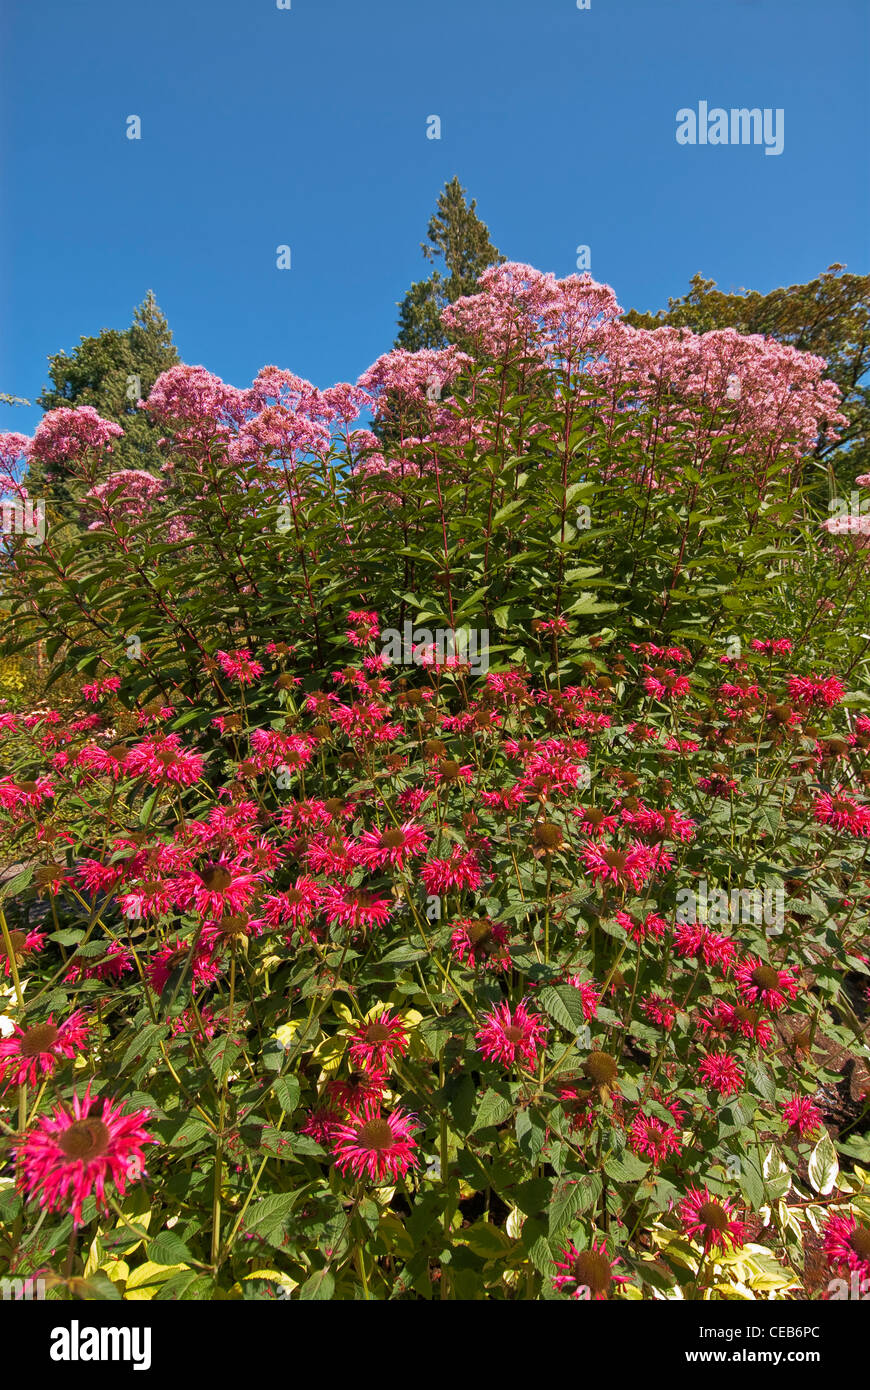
x=307 y=127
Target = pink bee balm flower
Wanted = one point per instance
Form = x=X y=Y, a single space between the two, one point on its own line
x=110 y=686
x=652 y=926
x=379 y=1145
x=459 y=871
x=163 y=760
x=847 y=1242
x=816 y=690
x=69 y=1156
x=841 y=812
x=240 y=666
x=23 y=943
x=661 y=1010
x=696 y=939
x=322 y=1123
x=587 y=1274
x=29 y=1054
x=481 y=943
x=394 y=846
x=721 y=1073
x=667 y=685
x=355 y=907
x=799 y=1113
x=508 y=1035
x=109 y=762
x=117 y=961
x=375 y=1042
x=296 y=905
x=652 y=1139
x=220 y=888
x=625 y=868
x=757 y=982
x=354 y=1092
x=15 y=796
x=171 y=957
x=773 y=646
x=711 y=1219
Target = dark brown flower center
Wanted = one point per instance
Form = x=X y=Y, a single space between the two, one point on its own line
x=594 y=815
x=18 y=941
x=234 y=926
x=859 y=1240
x=601 y=1068
x=449 y=769
x=480 y=935
x=713 y=1216
x=614 y=858
x=39 y=1039
x=216 y=878
x=166 y=757
x=514 y=1033
x=392 y=839
x=592 y=1269
x=377 y=1032
x=765 y=977
x=547 y=835
x=85 y=1139
x=375 y=1134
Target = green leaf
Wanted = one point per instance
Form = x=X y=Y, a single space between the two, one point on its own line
x=320 y=1286
x=823 y=1166
x=564 y=1004
x=167 y=1248
x=493 y=1110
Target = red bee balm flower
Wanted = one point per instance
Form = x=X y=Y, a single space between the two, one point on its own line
x=711 y=1219
x=847 y=1242
x=459 y=871
x=757 y=982
x=842 y=813
x=626 y=868
x=799 y=1113
x=69 y=1156
x=393 y=846
x=507 y=1035
x=32 y=1053
x=588 y=1274
x=377 y=1040
x=653 y=1139
x=721 y=1073
x=240 y=666
x=379 y=1145
x=354 y=907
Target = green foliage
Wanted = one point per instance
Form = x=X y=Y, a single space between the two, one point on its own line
x=458 y=237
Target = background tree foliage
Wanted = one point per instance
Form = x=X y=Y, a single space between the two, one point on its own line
x=458 y=236
x=111 y=372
